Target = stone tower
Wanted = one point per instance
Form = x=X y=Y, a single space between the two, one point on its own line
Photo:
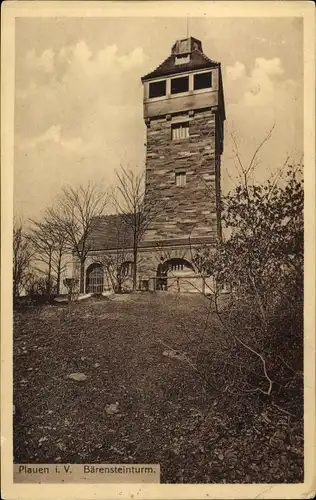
x=184 y=113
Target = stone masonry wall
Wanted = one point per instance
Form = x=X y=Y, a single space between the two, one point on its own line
x=189 y=211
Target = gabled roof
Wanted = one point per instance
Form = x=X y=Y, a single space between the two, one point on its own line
x=110 y=232
x=198 y=60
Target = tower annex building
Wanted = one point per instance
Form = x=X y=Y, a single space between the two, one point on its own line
x=184 y=113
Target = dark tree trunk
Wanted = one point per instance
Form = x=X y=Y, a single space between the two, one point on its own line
x=49 y=275
x=135 y=254
x=203 y=285
x=82 y=276
x=58 y=274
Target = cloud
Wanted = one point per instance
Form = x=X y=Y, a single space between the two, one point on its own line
x=44 y=62
x=257 y=87
x=51 y=135
x=255 y=101
x=106 y=60
x=77 y=93
x=54 y=136
x=78 y=116
x=263 y=85
x=236 y=71
x=79 y=60
x=269 y=66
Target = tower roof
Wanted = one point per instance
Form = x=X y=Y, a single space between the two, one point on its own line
x=190 y=51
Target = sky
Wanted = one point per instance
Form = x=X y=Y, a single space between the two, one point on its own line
x=78 y=96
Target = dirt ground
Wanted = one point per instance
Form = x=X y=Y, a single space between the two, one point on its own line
x=135 y=404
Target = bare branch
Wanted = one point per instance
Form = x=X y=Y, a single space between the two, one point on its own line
x=75 y=215
x=268 y=392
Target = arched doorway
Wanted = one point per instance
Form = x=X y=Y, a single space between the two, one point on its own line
x=95 y=278
x=179 y=267
x=175 y=275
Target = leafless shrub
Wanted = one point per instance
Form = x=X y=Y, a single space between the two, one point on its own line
x=72 y=286
x=261 y=264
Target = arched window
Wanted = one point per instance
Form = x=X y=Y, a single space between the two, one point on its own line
x=95 y=278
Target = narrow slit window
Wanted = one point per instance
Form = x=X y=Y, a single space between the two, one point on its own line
x=180 y=131
x=157 y=89
x=203 y=80
x=179 y=85
x=181 y=179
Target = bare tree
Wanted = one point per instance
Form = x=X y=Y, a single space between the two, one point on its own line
x=22 y=255
x=49 y=243
x=59 y=259
x=76 y=215
x=42 y=243
x=136 y=210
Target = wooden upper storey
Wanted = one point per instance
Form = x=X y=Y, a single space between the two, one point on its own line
x=186 y=80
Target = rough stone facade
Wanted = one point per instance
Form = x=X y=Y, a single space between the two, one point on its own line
x=189 y=211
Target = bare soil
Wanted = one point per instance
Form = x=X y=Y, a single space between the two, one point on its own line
x=166 y=414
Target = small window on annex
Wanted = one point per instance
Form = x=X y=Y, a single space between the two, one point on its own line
x=179 y=85
x=181 y=179
x=203 y=80
x=180 y=131
x=157 y=89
